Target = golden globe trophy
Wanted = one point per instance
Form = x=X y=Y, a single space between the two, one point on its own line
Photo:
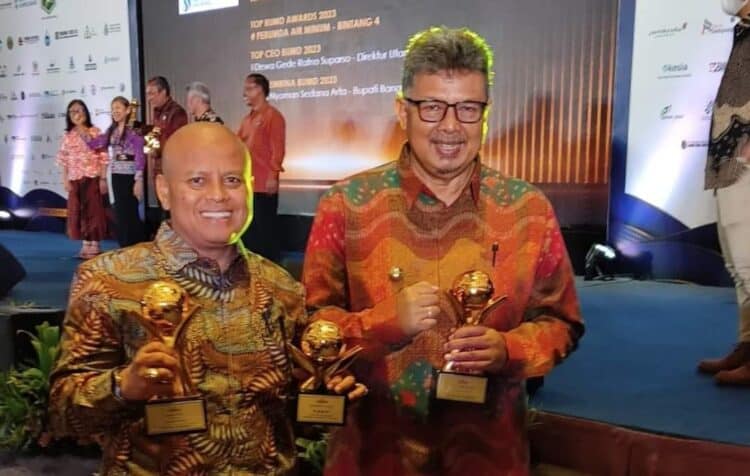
x=471 y=294
x=321 y=354
x=152 y=144
x=164 y=312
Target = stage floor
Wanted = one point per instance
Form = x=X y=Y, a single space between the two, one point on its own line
x=635 y=367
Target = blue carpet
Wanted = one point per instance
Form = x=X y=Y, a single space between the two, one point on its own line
x=635 y=366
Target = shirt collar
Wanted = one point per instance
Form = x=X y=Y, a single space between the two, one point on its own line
x=164 y=107
x=179 y=255
x=412 y=186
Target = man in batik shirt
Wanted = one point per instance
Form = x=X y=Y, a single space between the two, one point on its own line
x=233 y=346
x=387 y=244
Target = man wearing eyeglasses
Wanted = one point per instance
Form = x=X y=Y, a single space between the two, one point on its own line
x=388 y=244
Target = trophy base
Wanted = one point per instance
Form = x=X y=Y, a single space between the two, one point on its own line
x=320 y=409
x=175 y=416
x=458 y=387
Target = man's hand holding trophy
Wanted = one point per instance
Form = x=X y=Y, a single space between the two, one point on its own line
x=156 y=374
x=472 y=349
x=322 y=360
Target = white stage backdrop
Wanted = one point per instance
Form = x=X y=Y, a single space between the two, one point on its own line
x=50 y=53
x=680 y=48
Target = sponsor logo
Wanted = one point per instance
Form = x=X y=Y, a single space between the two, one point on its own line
x=71 y=64
x=110 y=28
x=53 y=68
x=709 y=108
x=35 y=94
x=66 y=34
x=18 y=138
x=48 y=115
x=89 y=32
x=101 y=112
x=678 y=70
x=691 y=144
x=6 y=4
x=1 y=44
x=90 y=64
x=122 y=87
x=669 y=31
x=23 y=96
x=111 y=59
x=48 y=6
x=47 y=38
x=50 y=93
x=717 y=66
x=36 y=138
x=3 y=97
x=65 y=92
x=47 y=156
x=710 y=27
x=19 y=71
x=28 y=40
x=13 y=96
x=93 y=89
x=24 y=3
x=9 y=42
x=3 y=70
x=35 y=68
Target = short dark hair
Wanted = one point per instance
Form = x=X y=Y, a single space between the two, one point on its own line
x=161 y=84
x=440 y=48
x=68 y=123
x=261 y=81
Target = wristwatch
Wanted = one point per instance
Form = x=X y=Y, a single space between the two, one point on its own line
x=116 y=382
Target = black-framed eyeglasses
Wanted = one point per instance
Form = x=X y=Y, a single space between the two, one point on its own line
x=434 y=110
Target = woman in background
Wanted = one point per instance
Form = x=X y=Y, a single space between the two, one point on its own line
x=84 y=179
x=127 y=164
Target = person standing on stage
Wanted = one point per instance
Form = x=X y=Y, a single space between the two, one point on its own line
x=198 y=103
x=127 y=164
x=727 y=172
x=386 y=249
x=167 y=116
x=84 y=179
x=263 y=131
x=239 y=312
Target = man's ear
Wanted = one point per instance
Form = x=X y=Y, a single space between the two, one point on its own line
x=401 y=112
x=162 y=191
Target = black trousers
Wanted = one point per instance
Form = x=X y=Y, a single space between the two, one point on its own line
x=262 y=236
x=129 y=227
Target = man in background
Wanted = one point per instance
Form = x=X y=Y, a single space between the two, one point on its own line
x=198 y=102
x=263 y=131
x=166 y=117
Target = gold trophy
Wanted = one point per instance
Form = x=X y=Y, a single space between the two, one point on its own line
x=134 y=105
x=164 y=312
x=152 y=143
x=471 y=295
x=322 y=354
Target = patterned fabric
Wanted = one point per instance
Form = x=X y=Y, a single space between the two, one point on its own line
x=730 y=125
x=77 y=158
x=127 y=151
x=209 y=116
x=264 y=133
x=87 y=211
x=233 y=354
x=386 y=218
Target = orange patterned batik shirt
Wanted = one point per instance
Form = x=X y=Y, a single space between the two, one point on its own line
x=383 y=230
x=234 y=357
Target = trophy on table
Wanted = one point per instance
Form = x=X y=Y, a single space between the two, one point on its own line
x=322 y=353
x=471 y=295
x=165 y=311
